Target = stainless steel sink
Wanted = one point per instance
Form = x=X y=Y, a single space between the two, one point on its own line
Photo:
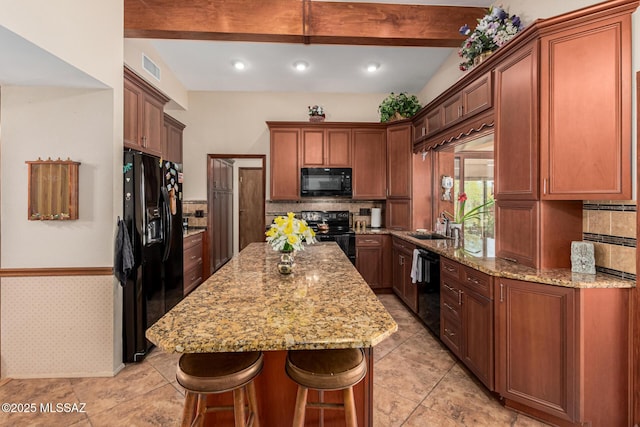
x=428 y=236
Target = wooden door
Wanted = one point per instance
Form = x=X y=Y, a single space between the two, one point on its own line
x=313 y=144
x=477 y=96
x=536 y=346
x=516 y=130
x=152 y=125
x=399 y=161
x=369 y=164
x=585 y=111
x=251 y=206
x=285 y=173
x=452 y=109
x=369 y=259
x=132 y=118
x=477 y=336
x=338 y=148
x=398 y=214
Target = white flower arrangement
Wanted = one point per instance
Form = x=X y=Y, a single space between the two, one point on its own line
x=289 y=233
x=493 y=31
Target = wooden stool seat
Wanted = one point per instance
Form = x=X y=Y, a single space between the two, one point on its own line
x=211 y=373
x=334 y=369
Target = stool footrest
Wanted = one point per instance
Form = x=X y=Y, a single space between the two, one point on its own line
x=323 y=405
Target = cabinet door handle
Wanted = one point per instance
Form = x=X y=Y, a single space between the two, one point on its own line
x=472 y=280
x=450 y=288
x=449 y=269
x=144 y=141
x=544 y=186
x=450 y=333
x=501 y=292
x=401 y=260
x=460 y=297
x=450 y=308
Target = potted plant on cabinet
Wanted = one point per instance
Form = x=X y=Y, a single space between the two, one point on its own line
x=398 y=106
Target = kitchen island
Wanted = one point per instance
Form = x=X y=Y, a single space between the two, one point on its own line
x=248 y=305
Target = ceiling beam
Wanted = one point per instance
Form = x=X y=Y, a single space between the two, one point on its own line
x=299 y=21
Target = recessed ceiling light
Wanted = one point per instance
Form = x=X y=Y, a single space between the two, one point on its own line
x=239 y=65
x=373 y=67
x=300 y=65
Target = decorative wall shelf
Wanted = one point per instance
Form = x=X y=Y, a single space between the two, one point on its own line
x=53 y=189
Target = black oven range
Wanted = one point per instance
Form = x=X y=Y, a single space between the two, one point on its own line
x=335 y=229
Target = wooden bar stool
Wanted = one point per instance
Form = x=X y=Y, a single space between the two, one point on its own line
x=321 y=370
x=209 y=373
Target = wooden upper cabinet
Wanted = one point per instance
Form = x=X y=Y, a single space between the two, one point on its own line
x=452 y=109
x=516 y=130
x=172 y=141
x=433 y=120
x=326 y=147
x=399 y=161
x=285 y=171
x=369 y=164
x=143 y=115
x=585 y=108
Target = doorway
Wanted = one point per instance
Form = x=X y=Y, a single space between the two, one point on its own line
x=226 y=225
x=251 y=220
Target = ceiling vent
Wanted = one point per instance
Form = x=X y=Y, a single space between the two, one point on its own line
x=150 y=66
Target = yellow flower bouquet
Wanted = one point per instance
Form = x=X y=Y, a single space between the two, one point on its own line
x=288 y=233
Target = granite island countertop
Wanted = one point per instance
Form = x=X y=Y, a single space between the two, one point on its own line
x=248 y=305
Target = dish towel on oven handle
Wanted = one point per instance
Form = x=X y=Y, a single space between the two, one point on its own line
x=416 y=267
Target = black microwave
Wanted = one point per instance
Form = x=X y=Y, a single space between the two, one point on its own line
x=325 y=182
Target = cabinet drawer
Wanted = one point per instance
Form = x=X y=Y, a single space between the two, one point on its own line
x=403 y=245
x=450 y=305
x=450 y=333
x=192 y=256
x=192 y=277
x=478 y=281
x=367 y=240
x=450 y=268
x=191 y=241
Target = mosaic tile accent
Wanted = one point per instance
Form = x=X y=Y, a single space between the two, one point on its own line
x=611 y=226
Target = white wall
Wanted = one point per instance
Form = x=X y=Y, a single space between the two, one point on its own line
x=85 y=125
x=234 y=123
x=86 y=34
x=168 y=84
x=57 y=123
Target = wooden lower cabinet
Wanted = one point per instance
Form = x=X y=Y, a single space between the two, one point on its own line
x=562 y=354
x=373 y=254
x=467 y=317
x=402 y=258
x=193 y=261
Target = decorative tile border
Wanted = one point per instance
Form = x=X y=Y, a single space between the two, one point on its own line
x=612 y=240
x=625 y=207
x=616 y=273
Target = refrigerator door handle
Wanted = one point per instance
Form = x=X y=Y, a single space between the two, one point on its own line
x=168 y=235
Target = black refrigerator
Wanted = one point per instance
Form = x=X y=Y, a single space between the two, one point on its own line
x=153 y=216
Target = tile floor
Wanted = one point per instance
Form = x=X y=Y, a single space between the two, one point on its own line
x=417 y=383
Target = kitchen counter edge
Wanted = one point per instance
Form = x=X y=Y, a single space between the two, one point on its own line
x=502 y=268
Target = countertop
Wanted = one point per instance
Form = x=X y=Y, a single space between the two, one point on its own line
x=476 y=258
x=248 y=305
x=192 y=231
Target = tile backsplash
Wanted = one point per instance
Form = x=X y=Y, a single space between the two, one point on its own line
x=274 y=209
x=192 y=209
x=611 y=226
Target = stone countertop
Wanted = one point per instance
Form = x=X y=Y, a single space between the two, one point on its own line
x=476 y=258
x=192 y=231
x=248 y=305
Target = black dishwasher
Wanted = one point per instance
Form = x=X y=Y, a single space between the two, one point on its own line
x=429 y=290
